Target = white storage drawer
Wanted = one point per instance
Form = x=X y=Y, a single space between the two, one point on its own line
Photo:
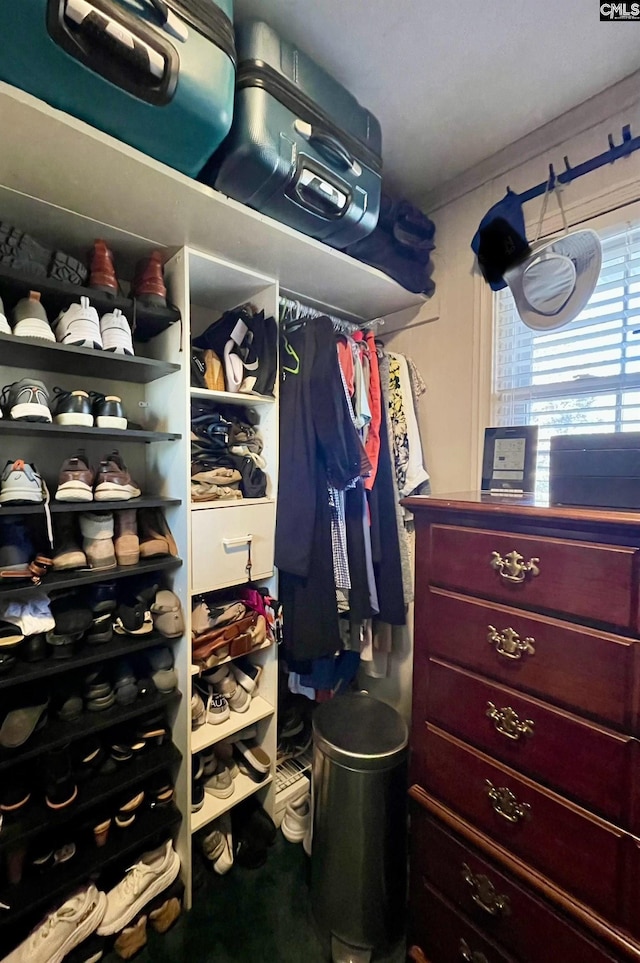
x=220 y=538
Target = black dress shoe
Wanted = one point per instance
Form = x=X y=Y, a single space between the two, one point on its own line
x=7 y=662
x=34 y=648
x=15 y=793
x=60 y=784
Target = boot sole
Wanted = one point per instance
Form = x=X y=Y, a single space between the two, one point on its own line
x=102 y=566
x=124 y=560
x=76 y=560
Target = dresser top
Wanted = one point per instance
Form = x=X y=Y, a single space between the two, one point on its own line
x=527 y=506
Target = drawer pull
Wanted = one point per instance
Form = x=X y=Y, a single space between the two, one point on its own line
x=506 y=804
x=234 y=542
x=484 y=895
x=513 y=568
x=507 y=722
x=509 y=644
x=471 y=956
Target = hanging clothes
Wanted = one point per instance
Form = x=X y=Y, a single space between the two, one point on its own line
x=387 y=434
x=383 y=505
x=318 y=447
x=372 y=445
x=410 y=471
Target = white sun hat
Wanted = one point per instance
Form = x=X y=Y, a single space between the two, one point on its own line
x=552 y=286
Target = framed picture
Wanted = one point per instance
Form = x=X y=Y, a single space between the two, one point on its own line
x=509 y=460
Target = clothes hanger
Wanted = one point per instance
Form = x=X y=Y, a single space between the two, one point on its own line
x=293 y=354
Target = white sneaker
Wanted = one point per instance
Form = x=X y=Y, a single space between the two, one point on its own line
x=198 y=711
x=144 y=881
x=5 y=328
x=220 y=784
x=79 y=325
x=63 y=930
x=116 y=332
x=224 y=862
x=297 y=819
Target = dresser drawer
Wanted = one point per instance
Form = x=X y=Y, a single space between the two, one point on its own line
x=582 y=579
x=445 y=935
x=580 y=668
x=580 y=852
x=505 y=911
x=578 y=758
x=220 y=541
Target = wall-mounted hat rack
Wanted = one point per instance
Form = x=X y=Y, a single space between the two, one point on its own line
x=615 y=152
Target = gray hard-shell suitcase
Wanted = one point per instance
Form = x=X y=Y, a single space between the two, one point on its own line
x=301 y=148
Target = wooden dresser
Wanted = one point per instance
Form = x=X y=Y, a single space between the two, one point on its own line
x=525 y=769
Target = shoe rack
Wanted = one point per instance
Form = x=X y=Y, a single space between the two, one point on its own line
x=95 y=186
x=146 y=385
x=220 y=534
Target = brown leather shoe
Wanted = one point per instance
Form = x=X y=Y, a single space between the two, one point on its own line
x=76 y=480
x=113 y=481
x=102 y=271
x=148 y=284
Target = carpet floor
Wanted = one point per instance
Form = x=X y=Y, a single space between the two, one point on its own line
x=250 y=916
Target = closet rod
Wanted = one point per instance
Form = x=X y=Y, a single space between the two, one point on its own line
x=301 y=310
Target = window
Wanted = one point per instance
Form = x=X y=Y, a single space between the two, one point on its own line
x=584 y=377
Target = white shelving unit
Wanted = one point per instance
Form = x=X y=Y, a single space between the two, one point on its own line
x=67 y=184
x=207 y=735
x=100 y=178
x=204 y=286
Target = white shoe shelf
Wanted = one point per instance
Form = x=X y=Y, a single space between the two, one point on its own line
x=219 y=254
x=208 y=734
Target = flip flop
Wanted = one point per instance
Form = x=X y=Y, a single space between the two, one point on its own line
x=20 y=723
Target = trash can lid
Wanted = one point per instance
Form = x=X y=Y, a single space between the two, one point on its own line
x=359 y=731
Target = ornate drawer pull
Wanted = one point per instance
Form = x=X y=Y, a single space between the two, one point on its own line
x=513 y=567
x=507 y=722
x=484 y=894
x=471 y=956
x=506 y=804
x=509 y=644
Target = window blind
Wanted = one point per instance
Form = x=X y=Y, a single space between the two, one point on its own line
x=584 y=377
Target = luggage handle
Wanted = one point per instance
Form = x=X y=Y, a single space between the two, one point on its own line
x=169 y=22
x=329 y=145
x=112 y=35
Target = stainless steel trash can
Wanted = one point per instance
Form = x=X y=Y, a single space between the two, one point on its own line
x=358 y=861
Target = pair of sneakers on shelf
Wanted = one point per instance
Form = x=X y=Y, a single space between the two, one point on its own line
x=78 y=481
x=219 y=692
x=28 y=400
x=242 y=836
x=78 y=325
x=88 y=911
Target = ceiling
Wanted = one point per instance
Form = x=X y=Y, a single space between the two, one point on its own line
x=453 y=83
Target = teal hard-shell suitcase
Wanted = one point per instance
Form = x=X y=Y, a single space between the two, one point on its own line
x=301 y=148
x=159 y=76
